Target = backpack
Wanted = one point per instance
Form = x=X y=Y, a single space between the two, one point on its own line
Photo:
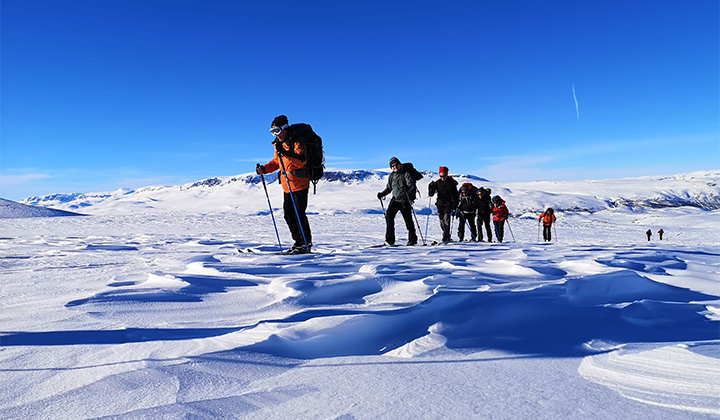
x=416 y=176
x=472 y=190
x=408 y=167
x=314 y=152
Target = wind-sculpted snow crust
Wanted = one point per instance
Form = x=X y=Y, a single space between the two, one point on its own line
x=202 y=316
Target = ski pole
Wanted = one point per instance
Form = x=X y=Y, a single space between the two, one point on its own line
x=271 y=210
x=538 y=231
x=469 y=228
x=292 y=198
x=383 y=206
x=416 y=218
x=427 y=222
x=511 y=232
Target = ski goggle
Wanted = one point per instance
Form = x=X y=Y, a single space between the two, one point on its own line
x=277 y=130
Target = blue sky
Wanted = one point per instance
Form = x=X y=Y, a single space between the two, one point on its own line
x=99 y=95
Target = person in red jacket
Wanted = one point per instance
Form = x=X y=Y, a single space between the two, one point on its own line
x=500 y=215
x=291 y=159
x=547 y=219
x=660 y=232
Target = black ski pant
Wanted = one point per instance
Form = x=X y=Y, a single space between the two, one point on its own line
x=484 y=219
x=445 y=216
x=547 y=232
x=470 y=220
x=404 y=208
x=297 y=220
x=499 y=229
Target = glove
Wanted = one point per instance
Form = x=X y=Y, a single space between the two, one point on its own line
x=279 y=149
x=380 y=195
x=260 y=169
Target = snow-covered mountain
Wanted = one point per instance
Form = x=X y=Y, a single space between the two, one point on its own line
x=354 y=191
x=11 y=209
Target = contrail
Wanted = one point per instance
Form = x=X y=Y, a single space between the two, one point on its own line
x=577 y=109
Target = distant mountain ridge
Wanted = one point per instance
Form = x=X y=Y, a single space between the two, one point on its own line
x=343 y=191
x=11 y=210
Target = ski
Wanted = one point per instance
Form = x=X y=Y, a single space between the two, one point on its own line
x=289 y=252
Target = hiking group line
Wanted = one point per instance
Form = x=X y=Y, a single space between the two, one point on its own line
x=299 y=157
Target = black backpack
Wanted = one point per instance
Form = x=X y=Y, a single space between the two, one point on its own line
x=408 y=167
x=416 y=176
x=314 y=152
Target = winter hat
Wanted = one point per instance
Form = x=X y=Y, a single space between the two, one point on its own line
x=280 y=121
x=443 y=169
x=394 y=161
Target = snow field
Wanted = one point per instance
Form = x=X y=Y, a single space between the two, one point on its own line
x=159 y=315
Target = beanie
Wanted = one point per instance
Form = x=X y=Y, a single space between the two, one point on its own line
x=443 y=169
x=394 y=161
x=280 y=121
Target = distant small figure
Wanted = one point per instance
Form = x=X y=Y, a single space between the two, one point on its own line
x=547 y=219
x=500 y=215
x=468 y=203
x=660 y=232
x=484 y=211
x=649 y=234
x=447 y=201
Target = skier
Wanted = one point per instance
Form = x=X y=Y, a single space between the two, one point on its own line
x=447 y=200
x=547 y=218
x=290 y=157
x=484 y=210
x=649 y=234
x=500 y=214
x=466 y=211
x=660 y=232
x=402 y=185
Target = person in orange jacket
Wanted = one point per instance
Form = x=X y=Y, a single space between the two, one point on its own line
x=291 y=159
x=500 y=215
x=547 y=219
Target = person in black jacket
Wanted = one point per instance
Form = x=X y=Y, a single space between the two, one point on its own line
x=484 y=211
x=466 y=211
x=447 y=200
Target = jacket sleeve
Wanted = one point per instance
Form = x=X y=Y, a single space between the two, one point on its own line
x=388 y=187
x=273 y=165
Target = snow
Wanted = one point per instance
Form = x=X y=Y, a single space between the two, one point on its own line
x=146 y=309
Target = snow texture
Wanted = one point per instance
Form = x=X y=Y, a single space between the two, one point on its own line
x=171 y=302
